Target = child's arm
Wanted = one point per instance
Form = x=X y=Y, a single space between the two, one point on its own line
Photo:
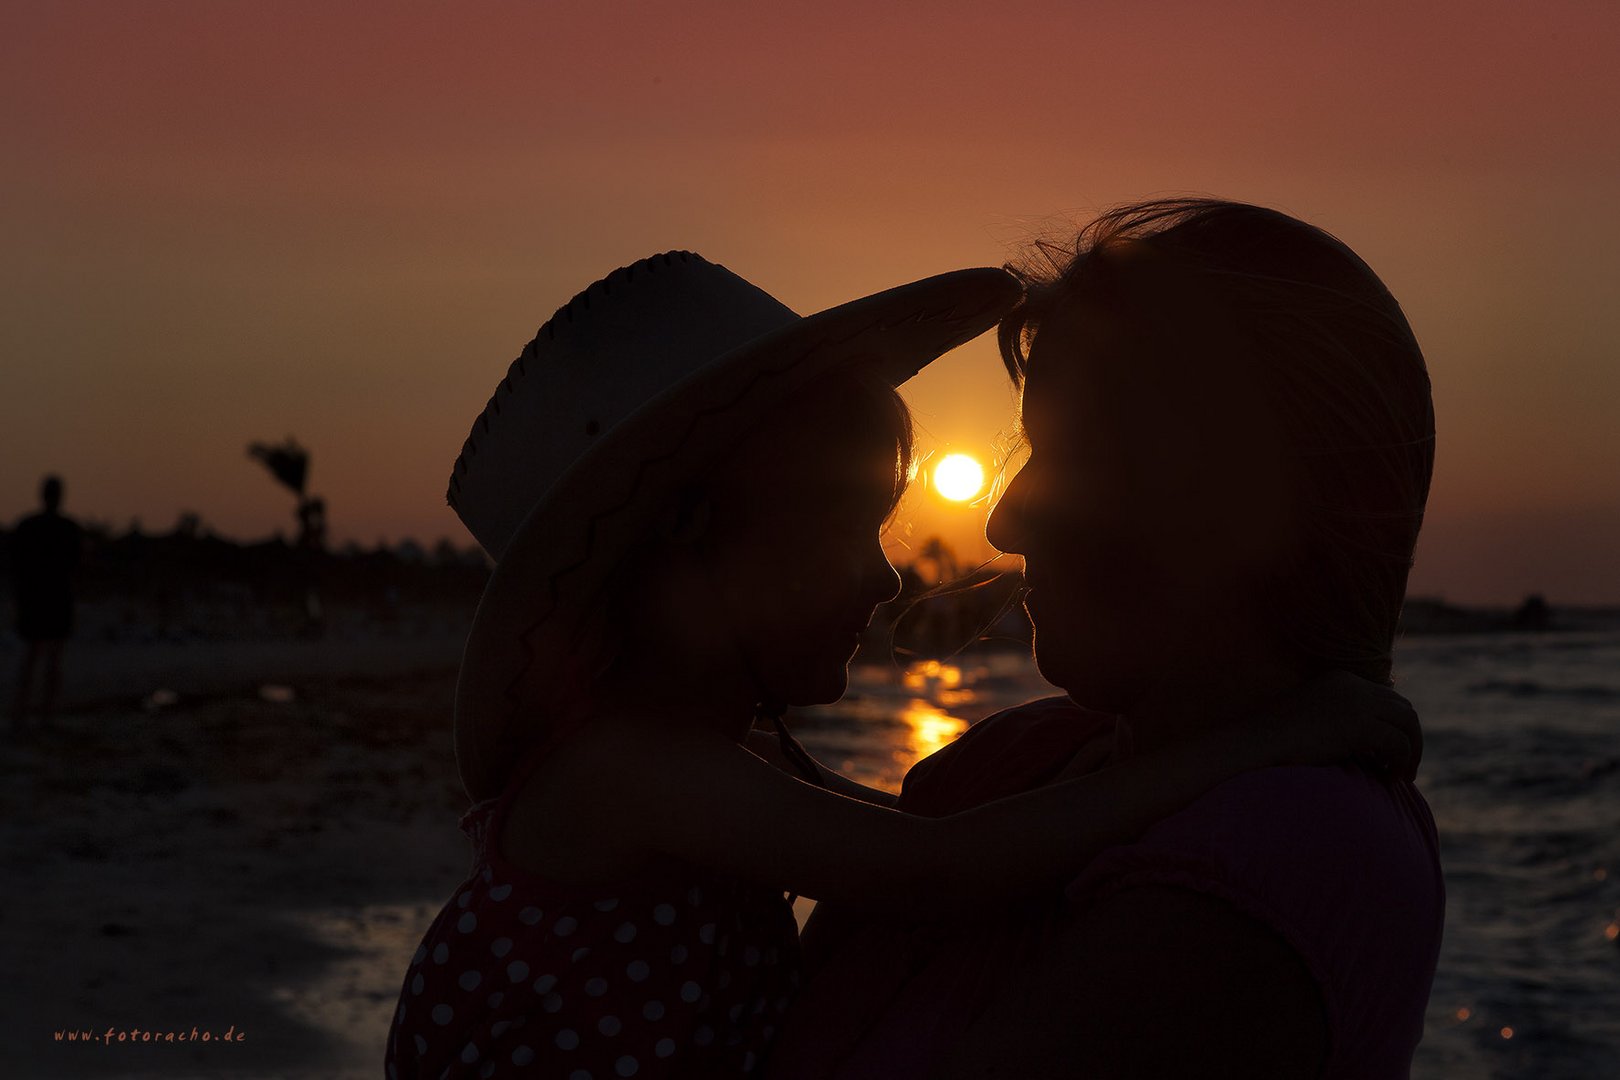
x=766 y=745
x=703 y=798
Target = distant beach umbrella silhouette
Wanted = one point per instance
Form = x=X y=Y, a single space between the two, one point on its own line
x=288 y=462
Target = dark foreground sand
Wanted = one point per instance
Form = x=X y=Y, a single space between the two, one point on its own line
x=227 y=861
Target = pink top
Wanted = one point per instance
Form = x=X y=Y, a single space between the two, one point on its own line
x=1344 y=865
x=685 y=976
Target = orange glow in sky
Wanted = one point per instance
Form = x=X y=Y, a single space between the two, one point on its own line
x=227 y=223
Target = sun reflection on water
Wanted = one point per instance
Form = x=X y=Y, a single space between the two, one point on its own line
x=927 y=674
x=930 y=728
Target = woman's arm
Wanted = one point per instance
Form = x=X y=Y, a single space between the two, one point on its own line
x=701 y=797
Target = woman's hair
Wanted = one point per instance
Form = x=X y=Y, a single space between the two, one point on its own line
x=1332 y=354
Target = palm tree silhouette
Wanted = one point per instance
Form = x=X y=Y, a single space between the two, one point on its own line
x=288 y=462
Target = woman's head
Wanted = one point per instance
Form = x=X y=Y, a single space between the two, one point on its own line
x=764 y=572
x=1231 y=439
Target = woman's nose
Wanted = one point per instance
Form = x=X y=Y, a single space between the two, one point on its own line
x=882 y=577
x=1006 y=529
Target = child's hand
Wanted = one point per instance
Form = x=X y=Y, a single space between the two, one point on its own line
x=1340 y=716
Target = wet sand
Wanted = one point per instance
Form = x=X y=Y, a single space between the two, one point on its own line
x=229 y=861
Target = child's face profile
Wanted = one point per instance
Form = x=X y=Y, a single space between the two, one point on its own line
x=794 y=545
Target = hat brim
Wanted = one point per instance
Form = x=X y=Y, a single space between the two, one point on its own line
x=569 y=541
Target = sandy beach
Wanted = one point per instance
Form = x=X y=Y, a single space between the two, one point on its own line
x=262 y=862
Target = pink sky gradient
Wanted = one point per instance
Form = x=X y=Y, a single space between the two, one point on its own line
x=231 y=222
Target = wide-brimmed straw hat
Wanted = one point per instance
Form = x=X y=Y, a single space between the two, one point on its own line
x=626 y=394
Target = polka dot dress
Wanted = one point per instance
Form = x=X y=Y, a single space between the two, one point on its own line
x=521 y=976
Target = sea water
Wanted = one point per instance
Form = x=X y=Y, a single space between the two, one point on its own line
x=1521 y=767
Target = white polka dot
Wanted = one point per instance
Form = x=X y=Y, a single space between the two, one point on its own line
x=581 y=953
x=663 y=914
x=690 y=992
x=421 y=1045
x=750 y=957
x=703 y=1036
x=530 y=915
x=443 y=1014
x=664 y=1047
x=517 y=971
x=736 y=1012
x=522 y=1055
x=625 y=934
x=637 y=970
x=467 y=922
x=500 y=1028
x=565 y=926
x=748 y=1061
x=501 y=946
x=653 y=1010
x=580 y=1074
x=609 y=1025
x=488 y=875
x=567 y=1039
x=706 y=933
x=545 y=984
x=469 y=980
x=596 y=987
x=463 y=900
x=417 y=984
x=488 y=1070
x=606 y=905
x=500 y=892
x=677 y=955
x=552 y=1002
x=495 y=999
x=626 y=1066
x=694 y=896
x=421 y=954
x=469 y=1054
x=441 y=953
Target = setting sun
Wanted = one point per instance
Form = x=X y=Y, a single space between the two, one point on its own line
x=958 y=477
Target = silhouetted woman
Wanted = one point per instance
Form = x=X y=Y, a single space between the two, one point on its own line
x=1231 y=440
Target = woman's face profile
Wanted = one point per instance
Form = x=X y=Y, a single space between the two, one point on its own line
x=1143 y=510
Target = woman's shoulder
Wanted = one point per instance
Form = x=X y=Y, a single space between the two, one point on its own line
x=1013 y=750
x=1341 y=862
x=1298 y=830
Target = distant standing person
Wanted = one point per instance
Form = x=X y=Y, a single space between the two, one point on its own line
x=44 y=551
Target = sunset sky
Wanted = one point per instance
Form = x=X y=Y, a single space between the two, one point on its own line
x=227 y=222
